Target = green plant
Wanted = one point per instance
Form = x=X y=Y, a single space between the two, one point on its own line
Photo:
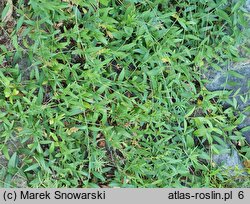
x=112 y=92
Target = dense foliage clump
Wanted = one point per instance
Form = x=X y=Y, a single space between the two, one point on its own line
x=111 y=93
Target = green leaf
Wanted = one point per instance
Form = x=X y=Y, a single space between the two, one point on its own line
x=190 y=112
x=183 y=23
x=192 y=37
x=201 y=132
x=121 y=75
x=40 y=96
x=127 y=47
x=13 y=161
x=5 y=11
x=236 y=74
x=75 y=111
x=190 y=141
x=237 y=5
x=7 y=92
x=223 y=15
x=7 y=181
x=6 y=152
x=12 y=164
x=32 y=167
x=20 y=22
x=104 y=2
x=99 y=176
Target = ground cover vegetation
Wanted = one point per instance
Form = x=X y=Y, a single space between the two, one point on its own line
x=111 y=93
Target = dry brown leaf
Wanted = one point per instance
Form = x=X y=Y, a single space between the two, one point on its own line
x=19 y=129
x=72 y=130
x=101 y=143
x=247 y=163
